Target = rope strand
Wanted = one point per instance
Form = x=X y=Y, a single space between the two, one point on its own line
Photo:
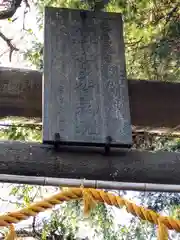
x=90 y=196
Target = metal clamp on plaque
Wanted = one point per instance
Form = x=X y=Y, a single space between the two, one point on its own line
x=85 y=90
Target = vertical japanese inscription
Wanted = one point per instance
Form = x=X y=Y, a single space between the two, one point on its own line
x=85 y=90
x=87 y=118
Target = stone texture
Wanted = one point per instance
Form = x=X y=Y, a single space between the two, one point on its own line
x=85 y=87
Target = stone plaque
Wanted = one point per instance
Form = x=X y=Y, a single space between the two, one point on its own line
x=85 y=89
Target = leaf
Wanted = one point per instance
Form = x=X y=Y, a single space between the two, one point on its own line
x=30 y=30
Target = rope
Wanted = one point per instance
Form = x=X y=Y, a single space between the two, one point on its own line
x=90 y=196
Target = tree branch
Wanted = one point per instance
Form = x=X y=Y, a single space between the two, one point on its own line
x=10 y=45
x=134 y=43
x=10 y=201
x=24 y=233
x=171 y=13
x=167 y=17
x=10 y=11
x=27 y=4
x=34 y=231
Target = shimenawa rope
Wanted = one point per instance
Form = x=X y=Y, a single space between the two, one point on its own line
x=89 y=196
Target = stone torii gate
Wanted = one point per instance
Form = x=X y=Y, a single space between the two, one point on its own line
x=86 y=108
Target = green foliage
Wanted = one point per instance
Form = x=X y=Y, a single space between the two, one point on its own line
x=160 y=201
x=24 y=192
x=137 y=229
x=14 y=132
x=102 y=218
x=58 y=226
x=35 y=55
x=151 y=35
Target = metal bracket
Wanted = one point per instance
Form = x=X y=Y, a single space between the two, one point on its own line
x=83 y=15
x=57 y=141
x=107 y=147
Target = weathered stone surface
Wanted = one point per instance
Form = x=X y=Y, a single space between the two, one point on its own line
x=85 y=87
